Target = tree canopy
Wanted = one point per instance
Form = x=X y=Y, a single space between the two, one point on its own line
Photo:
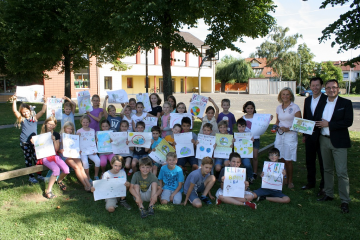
x=346 y=28
x=329 y=71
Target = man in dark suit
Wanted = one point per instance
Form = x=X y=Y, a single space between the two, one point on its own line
x=313 y=109
x=337 y=116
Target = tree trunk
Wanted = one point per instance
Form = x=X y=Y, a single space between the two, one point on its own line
x=67 y=67
x=222 y=86
x=166 y=69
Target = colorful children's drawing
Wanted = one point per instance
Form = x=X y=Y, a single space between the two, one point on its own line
x=175 y=118
x=118 y=144
x=161 y=150
x=139 y=139
x=223 y=143
x=273 y=177
x=198 y=105
x=234 y=182
x=260 y=123
x=144 y=98
x=84 y=102
x=184 y=146
x=149 y=123
x=205 y=147
x=32 y=93
x=54 y=108
x=303 y=126
x=44 y=146
x=87 y=143
x=243 y=144
x=103 y=144
x=71 y=145
x=109 y=188
x=117 y=96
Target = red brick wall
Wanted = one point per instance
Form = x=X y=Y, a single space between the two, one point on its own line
x=232 y=87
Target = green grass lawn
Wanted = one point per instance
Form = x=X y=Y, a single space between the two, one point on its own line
x=26 y=214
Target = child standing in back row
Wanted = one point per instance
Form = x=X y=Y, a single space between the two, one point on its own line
x=226 y=115
x=211 y=116
x=165 y=120
x=69 y=110
x=110 y=115
x=96 y=114
x=155 y=101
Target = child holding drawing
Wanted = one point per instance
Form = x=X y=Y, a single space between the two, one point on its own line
x=241 y=126
x=116 y=171
x=175 y=130
x=96 y=114
x=28 y=125
x=235 y=161
x=207 y=130
x=139 y=152
x=156 y=139
x=126 y=115
x=165 y=120
x=270 y=194
x=210 y=117
x=124 y=126
x=104 y=157
x=219 y=162
x=139 y=116
x=110 y=115
x=69 y=110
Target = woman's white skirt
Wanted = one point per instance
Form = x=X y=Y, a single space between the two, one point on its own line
x=287 y=145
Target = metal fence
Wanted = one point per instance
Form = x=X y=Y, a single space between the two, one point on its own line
x=265 y=86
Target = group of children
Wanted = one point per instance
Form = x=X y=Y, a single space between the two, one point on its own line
x=145 y=185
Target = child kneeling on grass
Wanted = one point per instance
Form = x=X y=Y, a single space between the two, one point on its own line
x=171 y=179
x=235 y=161
x=117 y=171
x=200 y=181
x=145 y=187
x=270 y=194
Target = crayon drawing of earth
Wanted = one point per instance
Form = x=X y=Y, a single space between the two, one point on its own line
x=224 y=141
x=165 y=149
x=138 y=140
x=195 y=110
x=185 y=151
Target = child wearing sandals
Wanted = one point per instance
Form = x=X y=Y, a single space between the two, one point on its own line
x=235 y=161
x=116 y=171
x=54 y=163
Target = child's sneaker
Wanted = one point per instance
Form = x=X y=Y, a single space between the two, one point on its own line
x=143 y=213
x=41 y=178
x=254 y=176
x=218 y=201
x=130 y=172
x=251 y=180
x=260 y=198
x=150 y=211
x=125 y=204
x=206 y=200
x=250 y=204
x=33 y=180
x=96 y=178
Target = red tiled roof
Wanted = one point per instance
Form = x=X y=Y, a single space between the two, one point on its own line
x=341 y=64
x=262 y=65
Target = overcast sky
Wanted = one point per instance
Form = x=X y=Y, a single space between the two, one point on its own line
x=301 y=17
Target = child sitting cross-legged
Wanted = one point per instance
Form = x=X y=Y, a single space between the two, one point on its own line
x=200 y=181
x=171 y=179
x=270 y=194
x=145 y=187
x=235 y=161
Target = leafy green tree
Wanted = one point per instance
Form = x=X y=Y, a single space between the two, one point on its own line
x=330 y=71
x=346 y=28
x=304 y=55
x=277 y=52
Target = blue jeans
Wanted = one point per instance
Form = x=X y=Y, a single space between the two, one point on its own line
x=247 y=164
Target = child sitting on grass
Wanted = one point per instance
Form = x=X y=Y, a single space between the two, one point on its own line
x=171 y=179
x=235 y=161
x=116 y=171
x=156 y=139
x=200 y=181
x=145 y=187
x=270 y=194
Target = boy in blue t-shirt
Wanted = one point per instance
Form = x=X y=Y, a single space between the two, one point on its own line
x=156 y=139
x=226 y=115
x=171 y=179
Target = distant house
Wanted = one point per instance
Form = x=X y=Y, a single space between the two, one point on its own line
x=355 y=72
x=259 y=67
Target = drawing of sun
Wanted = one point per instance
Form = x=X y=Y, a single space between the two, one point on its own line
x=224 y=141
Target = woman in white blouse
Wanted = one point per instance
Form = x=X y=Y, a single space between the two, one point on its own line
x=286 y=140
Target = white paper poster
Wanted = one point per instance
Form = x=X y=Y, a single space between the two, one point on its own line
x=54 y=108
x=109 y=188
x=175 y=118
x=260 y=123
x=243 y=144
x=234 y=182
x=149 y=123
x=144 y=98
x=303 y=126
x=198 y=105
x=84 y=102
x=140 y=139
x=87 y=143
x=205 y=147
x=118 y=144
x=184 y=146
x=161 y=150
x=44 y=146
x=117 y=96
x=223 y=143
x=71 y=145
x=273 y=177
x=103 y=144
x=32 y=93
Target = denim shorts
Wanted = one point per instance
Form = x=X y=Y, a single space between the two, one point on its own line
x=194 y=195
x=191 y=160
x=256 y=143
x=219 y=161
x=138 y=157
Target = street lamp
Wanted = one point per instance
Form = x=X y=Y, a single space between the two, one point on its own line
x=300 y=73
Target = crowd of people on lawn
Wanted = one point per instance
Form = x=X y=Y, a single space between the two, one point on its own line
x=151 y=181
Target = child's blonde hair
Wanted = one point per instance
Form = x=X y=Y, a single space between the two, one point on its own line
x=66 y=125
x=117 y=158
x=111 y=107
x=222 y=122
x=167 y=103
x=68 y=104
x=21 y=118
x=44 y=128
x=85 y=117
x=171 y=154
x=207 y=160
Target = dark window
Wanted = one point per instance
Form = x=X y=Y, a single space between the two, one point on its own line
x=108 y=83
x=129 y=82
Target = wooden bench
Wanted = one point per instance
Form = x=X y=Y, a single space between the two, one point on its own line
x=39 y=168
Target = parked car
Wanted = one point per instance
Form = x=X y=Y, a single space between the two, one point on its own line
x=308 y=92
